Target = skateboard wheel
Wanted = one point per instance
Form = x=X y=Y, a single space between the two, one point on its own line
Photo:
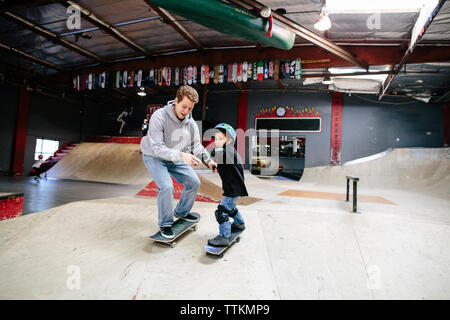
x=194 y=228
x=238 y=239
x=220 y=255
x=173 y=244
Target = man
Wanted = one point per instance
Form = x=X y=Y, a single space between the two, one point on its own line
x=36 y=169
x=166 y=148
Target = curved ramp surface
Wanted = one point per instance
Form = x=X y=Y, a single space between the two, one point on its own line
x=103 y=162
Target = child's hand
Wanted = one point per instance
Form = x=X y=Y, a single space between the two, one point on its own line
x=213 y=166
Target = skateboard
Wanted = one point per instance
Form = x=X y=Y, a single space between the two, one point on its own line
x=235 y=70
x=245 y=71
x=206 y=73
x=194 y=74
x=155 y=77
x=177 y=76
x=131 y=82
x=221 y=73
x=218 y=251
x=255 y=71
x=169 y=76
x=239 y=72
x=117 y=79
x=225 y=73
x=266 y=70
x=139 y=78
x=270 y=69
x=124 y=79
x=103 y=78
x=230 y=73
x=250 y=71
x=287 y=69
x=179 y=227
x=90 y=81
x=216 y=74
x=298 y=68
x=260 y=70
x=292 y=69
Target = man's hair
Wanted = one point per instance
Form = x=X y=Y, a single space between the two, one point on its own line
x=187 y=91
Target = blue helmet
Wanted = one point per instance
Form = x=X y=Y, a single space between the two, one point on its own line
x=227 y=128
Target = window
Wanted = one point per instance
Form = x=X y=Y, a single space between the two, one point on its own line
x=45 y=147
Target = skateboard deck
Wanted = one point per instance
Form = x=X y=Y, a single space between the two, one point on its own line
x=139 y=78
x=230 y=73
x=287 y=69
x=266 y=70
x=124 y=79
x=270 y=69
x=298 y=69
x=245 y=71
x=206 y=73
x=179 y=227
x=250 y=71
x=235 y=70
x=255 y=71
x=202 y=74
x=260 y=70
x=218 y=251
x=103 y=80
x=221 y=73
x=239 y=72
x=177 y=76
x=90 y=81
x=292 y=69
x=216 y=74
x=225 y=73
x=131 y=83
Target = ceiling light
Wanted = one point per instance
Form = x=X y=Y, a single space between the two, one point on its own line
x=265 y=12
x=142 y=92
x=323 y=23
x=336 y=6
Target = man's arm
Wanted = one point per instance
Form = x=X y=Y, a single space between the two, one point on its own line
x=197 y=147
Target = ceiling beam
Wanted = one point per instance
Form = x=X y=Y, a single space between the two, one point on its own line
x=51 y=36
x=109 y=29
x=167 y=17
x=305 y=33
x=27 y=56
x=396 y=68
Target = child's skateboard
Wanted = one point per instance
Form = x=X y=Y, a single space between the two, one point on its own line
x=218 y=251
x=179 y=227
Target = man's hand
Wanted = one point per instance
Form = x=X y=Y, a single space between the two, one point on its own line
x=213 y=166
x=190 y=159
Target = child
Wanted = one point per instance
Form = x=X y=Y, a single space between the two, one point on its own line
x=231 y=171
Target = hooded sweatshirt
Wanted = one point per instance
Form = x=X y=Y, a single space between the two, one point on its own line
x=168 y=137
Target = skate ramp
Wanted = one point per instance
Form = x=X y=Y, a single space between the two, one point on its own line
x=103 y=162
x=420 y=169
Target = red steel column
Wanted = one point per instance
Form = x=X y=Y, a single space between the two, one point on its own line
x=242 y=123
x=336 y=128
x=23 y=107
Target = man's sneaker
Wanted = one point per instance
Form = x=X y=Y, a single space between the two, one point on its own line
x=219 y=241
x=189 y=217
x=237 y=226
x=167 y=232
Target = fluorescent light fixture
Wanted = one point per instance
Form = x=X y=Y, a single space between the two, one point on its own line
x=323 y=23
x=378 y=5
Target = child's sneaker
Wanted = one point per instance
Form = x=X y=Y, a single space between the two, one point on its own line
x=167 y=232
x=237 y=226
x=219 y=241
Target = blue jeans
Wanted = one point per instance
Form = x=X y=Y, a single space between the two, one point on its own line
x=161 y=171
x=225 y=228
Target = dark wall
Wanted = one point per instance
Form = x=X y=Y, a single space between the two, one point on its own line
x=371 y=126
x=9 y=99
x=51 y=118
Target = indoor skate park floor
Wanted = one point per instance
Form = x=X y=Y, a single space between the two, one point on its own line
x=294 y=247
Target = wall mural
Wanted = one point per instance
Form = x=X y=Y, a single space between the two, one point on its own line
x=287 y=111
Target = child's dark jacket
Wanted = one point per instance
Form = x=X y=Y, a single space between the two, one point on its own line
x=231 y=171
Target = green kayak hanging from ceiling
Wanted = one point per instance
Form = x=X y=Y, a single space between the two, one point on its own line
x=232 y=20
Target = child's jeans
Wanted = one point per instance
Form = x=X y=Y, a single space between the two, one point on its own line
x=225 y=228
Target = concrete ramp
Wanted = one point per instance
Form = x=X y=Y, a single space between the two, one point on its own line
x=103 y=162
x=422 y=169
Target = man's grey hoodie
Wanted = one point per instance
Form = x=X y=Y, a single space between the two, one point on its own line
x=168 y=137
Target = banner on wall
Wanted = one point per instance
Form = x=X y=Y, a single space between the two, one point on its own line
x=336 y=129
